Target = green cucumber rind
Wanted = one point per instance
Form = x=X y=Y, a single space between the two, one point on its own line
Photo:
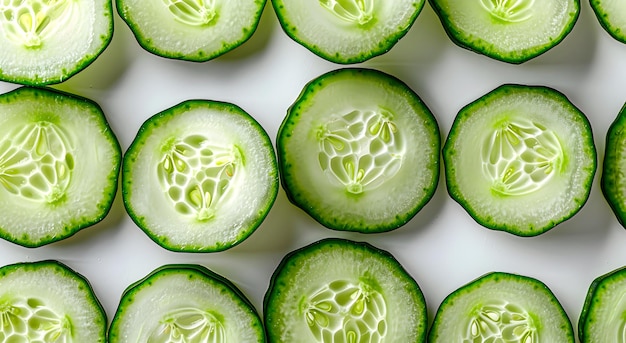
x=295 y=195
x=63 y=269
x=138 y=143
x=199 y=56
x=277 y=283
x=189 y=268
x=474 y=44
x=613 y=166
x=538 y=285
x=109 y=194
x=603 y=18
x=383 y=48
x=486 y=221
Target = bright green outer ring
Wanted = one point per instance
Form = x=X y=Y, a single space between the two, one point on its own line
x=604 y=18
x=614 y=166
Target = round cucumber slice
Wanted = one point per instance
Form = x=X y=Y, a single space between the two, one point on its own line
x=59 y=165
x=347 y=31
x=520 y=159
x=47 y=301
x=602 y=318
x=200 y=176
x=45 y=42
x=501 y=307
x=512 y=31
x=185 y=303
x=340 y=291
x=614 y=164
x=192 y=30
x=359 y=151
x=610 y=14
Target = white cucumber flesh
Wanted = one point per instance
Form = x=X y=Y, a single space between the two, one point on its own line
x=359 y=151
x=513 y=31
x=193 y=30
x=59 y=165
x=200 y=176
x=341 y=291
x=347 y=31
x=46 y=42
x=520 y=159
x=501 y=307
x=46 y=301
x=185 y=303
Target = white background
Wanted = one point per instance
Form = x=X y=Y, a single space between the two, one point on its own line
x=442 y=247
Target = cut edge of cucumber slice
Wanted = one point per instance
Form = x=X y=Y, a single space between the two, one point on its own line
x=312 y=263
x=91 y=313
x=146 y=204
x=362 y=212
x=584 y=171
x=484 y=301
x=612 y=184
x=226 y=293
x=189 y=23
x=49 y=121
x=606 y=18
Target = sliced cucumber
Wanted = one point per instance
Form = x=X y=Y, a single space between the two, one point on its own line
x=602 y=318
x=46 y=42
x=520 y=159
x=185 y=303
x=611 y=15
x=200 y=176
x=513 y=31
x=501 y=307
x=59 y=165
x=614 y=164
x=47 y=301
x=347 y=31
x=359 y=151
x=193 y=30
x=340 y=291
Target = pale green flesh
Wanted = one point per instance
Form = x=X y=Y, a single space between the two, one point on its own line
x=610 y=13
x=347 y=31
x=196 y=30
x=501 y=308
x=30 y=318
x=35 y=36
x=603 y=317
x=613 y=181
x=509 y=30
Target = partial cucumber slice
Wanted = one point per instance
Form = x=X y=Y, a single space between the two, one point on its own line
x=513 y=31
x=614 y=164
x=47 y=301
x=336 y=291
x=501 y=307
x=347 y=31
x=611 y=15
x=193 y=30
x=185 y=303
x=520 y=159
x=59 y=165
x=359 y=151
x=46 y=42
x=200 y=176
x=602 y=318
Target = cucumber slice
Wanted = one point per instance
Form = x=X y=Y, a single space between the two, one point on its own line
x=512 y=31
x=200 y=176
x=610 y=14
x=336 y=290
x=47 y=301
x=520 y=159
x=45 y=42
x=59 y=165
x=501 y=307
x=602 y=317
x=347 y=31
x=185 y=303
x=349 y=149
x=612 y=181
x=192 y=30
